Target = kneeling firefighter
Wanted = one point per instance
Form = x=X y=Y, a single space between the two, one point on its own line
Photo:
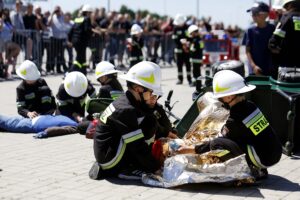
x=120 y=142
x=246 y=130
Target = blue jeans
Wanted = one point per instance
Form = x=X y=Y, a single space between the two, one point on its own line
x=16 y=124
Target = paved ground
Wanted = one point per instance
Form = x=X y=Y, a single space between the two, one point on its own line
x=56 y=168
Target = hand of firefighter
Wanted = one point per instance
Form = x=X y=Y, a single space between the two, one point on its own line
x=257 y=70
x=186 y=150
x=69 y=44
x=32 y=115
x=172 y=135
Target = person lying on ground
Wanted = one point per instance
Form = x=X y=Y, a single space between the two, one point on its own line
x=43 y=125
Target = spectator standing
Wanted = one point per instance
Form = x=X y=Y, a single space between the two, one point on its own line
x=20 y=37
x=68 y=26
x=10 y=48
x=57 y=40
x=257 y=38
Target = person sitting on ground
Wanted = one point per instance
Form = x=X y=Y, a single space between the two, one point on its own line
x=245 y=131
x=34 y=97
x=72 y=94
x=107 y=75
x=120 y=141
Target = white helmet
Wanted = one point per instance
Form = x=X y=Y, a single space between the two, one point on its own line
x=277 y=4
x=285 y=2
x=146 y=74
x=179 y=19
x=135 y=29
x=87 y=8
x=192 y=28
x=28 y=71
x=227 y=82
x=75 y=84
x=104 y=68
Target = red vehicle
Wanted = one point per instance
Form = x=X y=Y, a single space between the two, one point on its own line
x=220 y=49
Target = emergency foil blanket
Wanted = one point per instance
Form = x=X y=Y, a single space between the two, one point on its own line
x=193 y=168
x=184 y=169
x=209 y=122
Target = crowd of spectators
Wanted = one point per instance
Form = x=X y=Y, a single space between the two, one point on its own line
x=43 y=37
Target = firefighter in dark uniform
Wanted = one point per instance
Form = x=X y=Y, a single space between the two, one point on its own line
x=286 y=37
x=181 y=50
x=72 y=95
x=164 y=126
x=245 y=131
x=107 y=75
x=135 y=45
x=79 y=37
x=34 y=97
x=196 y=50
x=121 y=140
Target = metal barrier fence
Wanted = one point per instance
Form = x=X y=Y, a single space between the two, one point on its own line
x=54 y=55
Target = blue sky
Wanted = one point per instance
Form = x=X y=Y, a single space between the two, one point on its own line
x=228 y=11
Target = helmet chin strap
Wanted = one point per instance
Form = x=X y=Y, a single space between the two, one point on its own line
x=226 y=105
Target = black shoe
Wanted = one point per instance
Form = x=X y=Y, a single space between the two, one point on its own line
x=259 y=174
x=131 y=174
x=192 y=84
x=179 y=82
x=95 y=172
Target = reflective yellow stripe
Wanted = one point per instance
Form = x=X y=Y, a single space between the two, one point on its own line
x=296 y=24
x=256 y=121
x=21 y=103
x=115 y=94
x=62 y=103
x=254 y=158
x=106 y=113
x=178 y=50
x=30 y=96
x=280 y=33
x=151 y=140
x=125 y=139
x=201 y=45
x=259 y=125
x=195 y=60
x=82 y=101
x=46 y=99
x=79 y=20
x=222 y=153
x=79 y=64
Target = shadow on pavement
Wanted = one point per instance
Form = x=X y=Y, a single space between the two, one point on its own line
x=221 y=189
x=119 y=181
x=296 y=156
x=280 y=183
